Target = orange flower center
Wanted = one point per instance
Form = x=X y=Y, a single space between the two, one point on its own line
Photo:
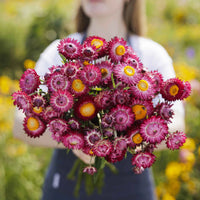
x=140 y=111
x=128 y=70
x=174 y=90
x=137 y=138
x=87 y=109
x=32 y=124
x=104 y=72
x=37 y=109
x=78 y=85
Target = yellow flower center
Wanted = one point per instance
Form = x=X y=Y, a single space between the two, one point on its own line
x=120 y=50
x=137 y=138
x=143 y=85
x=104 y=72
x=97 y=43
x=32 y=124
x=78 y=85
x=140 y=111
x=37 y=109
x=174 y=90
x=86 y=62
x=87 y=109
x=91 y=152
x=128 y=70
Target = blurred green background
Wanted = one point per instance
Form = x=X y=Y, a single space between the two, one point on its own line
x=27 y=27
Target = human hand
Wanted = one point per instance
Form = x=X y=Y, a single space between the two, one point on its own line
x=84 y=157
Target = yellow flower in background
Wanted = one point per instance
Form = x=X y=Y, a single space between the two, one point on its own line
x=5 y=84
x=173 y=170
x=189 y=144
x=173 y=187
x=29 y=64
x=185 y=71
x=191 y=187
x=198 y=150
x=168 y=196
x=185 y=176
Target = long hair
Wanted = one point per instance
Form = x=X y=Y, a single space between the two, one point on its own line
x=134 y=18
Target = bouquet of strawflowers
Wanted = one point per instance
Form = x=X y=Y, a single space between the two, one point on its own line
x=101 y=101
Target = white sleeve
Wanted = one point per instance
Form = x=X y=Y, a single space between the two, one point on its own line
x=48 y=58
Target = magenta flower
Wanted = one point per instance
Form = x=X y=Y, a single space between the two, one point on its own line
x=85 y=108
x=186 y=91
x=70 y=48
x=74 y=124
x=126 y=73
x=74 y=140
x=176 y=140
x=123 y=117
x=172 y=89
x=103 y=99
x=61 y=101
x=138 y=170
x=91 y=137
x=34 y=126
x=90 y=75
x=106 y=69
x=88 y=52
x=117 y=48
x=154 y=130
x=121 y=97
x=89 y=170
x=102 y=148
x=29 y=81
x=49 y=113
x=38 y=101
x=57 y=81
x=157 y=79
x=144 y=88
x=71 y=69
x=108 y=120
x=143 y=159
x=132 y=60
x=22 y=101
x=58 y=125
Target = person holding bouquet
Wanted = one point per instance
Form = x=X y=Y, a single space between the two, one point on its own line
x=106 y=19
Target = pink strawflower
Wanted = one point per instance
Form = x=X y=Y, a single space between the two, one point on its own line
x=123 y=117
x=91 y=137
x=120 y=143
x=99 y=43
x=73 y=140
x=103 y=99
x=34 y=126
x=38 y=101
x=29 y=81
x=85 y=108
x=57 y=81
x=121 y=97
x=172 y=89
x=141 y=108
x=90 y=75
x=143 y=159
x=102 y=148
x=22 y=101
x=132 y=60
x=69 y=48
x=58 y=125
x=176 y=140
x=138 y=170
x=108 y=120
x=108 y=132
x=78 y=88
x=186 y=91
x=157 y=79
x=154 y=130
x=61 y=101
x=89 y=170
x=144 y=88
x=126 y=73
x=74 y=124
x=134 y=137
x=88 y=52
x=165 y=111
x=106 y=69
x=117 y=48
x=116 y=156
x=71 y=69
x=49 y=113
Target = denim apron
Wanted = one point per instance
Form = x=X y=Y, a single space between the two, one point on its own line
x=125 y=185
